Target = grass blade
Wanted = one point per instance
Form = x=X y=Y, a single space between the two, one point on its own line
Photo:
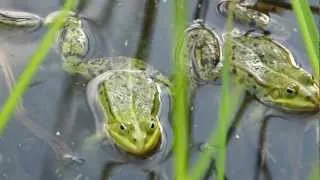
x=308 y=32
x=33 y=65
x=179 y=90
x=217 y=140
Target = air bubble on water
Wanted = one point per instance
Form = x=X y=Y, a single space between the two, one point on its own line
x=58 y=133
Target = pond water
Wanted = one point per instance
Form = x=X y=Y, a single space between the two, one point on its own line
x=136 y=28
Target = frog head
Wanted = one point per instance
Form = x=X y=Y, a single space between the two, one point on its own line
x=298 y=93
x=138 y=139
x=134 y=130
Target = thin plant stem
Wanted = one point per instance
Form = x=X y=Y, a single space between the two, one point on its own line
x=217 y=141
x=33 y=65
x=179 y=90
x=308 y=32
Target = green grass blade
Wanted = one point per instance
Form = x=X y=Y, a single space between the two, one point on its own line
x=315 y=172
x=309 y=33
x=217 y=141
x=33 y=65
x=179 y=91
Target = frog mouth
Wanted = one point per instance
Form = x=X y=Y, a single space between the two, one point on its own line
x=139 y=148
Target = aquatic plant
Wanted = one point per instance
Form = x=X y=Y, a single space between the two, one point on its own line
x=216 y=143
x=33 y=64
x=179 y=91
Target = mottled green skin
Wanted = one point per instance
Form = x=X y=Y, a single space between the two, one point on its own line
x=203 y=52
x=131 y=103
x=128 y=95
x=72 y=39
x=243 y=13
x=267 y=70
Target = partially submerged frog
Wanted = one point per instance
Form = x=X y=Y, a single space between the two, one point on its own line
x=127 y=96
x=243 y=12
x=123 y=93
x=268 y=71
x=262 y=65
x=204 y=52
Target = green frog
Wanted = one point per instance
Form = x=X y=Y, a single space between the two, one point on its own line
x=268 y=71
x=125 y=94
x=263 y=66
x=204 y=52
x=245 y=13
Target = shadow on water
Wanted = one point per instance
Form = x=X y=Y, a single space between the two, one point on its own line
x=150 y=13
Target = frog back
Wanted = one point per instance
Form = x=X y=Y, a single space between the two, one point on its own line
x=258 y=65
x=262 y=55
x=130 y=93
x=89 y=68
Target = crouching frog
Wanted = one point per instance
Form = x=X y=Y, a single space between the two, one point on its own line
x=268 y=71
x=126 y=96
x=244 y=12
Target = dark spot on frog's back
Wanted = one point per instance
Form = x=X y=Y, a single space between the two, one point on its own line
x=204 y=61
x=254 y=87
x=234 y=71
x=308 y=98
x=261 y=55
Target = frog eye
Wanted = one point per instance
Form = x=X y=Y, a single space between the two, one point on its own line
x=292 y=90
x=122 y=127
x=152 y=125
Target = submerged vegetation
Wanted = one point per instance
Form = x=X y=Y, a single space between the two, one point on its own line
x=216 y=146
